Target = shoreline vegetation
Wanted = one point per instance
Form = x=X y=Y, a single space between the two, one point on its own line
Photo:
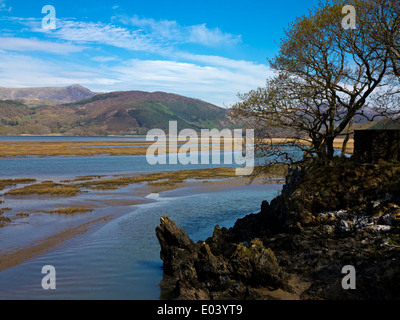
x=83 y=184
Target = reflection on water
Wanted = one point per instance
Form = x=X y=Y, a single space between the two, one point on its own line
x=121 y=259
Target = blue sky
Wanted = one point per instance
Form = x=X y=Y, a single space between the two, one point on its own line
x=209 y=50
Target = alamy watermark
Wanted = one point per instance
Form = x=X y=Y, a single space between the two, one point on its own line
x=349 y=21
x=349 y=281
x=49 y=21
x=165 y=149
x=49 y=280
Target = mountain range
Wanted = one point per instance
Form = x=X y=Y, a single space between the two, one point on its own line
x=75 y=110
x=46 y=95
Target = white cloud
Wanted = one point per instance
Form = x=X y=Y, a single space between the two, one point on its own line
x=210 y=37
x=218 y=82
x=147 y=35
x=136 y=34
x=90 y=32
x=163 y=29
x=104 y=59
x=3 y=6
x=240 y=65
x=22 y=44
x=20 y=70
x=167 y=30
x=211 y=78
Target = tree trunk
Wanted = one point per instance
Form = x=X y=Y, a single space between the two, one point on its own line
x=329 y=147
x=347 y=137
x=326 y=150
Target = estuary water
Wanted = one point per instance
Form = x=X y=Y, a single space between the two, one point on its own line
x=70 y=166
x=120 y=259
x=28 y=167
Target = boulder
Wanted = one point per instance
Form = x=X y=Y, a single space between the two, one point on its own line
x=194 y=271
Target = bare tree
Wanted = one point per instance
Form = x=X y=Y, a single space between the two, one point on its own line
x=325 y=77
x=383 y=24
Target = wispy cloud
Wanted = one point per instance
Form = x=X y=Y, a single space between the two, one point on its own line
x=210 y=37
x=218 y=82
x=22 y=44
x=257 y=70
x=142 y=34
x=101 y=33
x=102 y=67
x=104 y=59
x=133 y=33
x=210 y=78
x=167 y=30
x=4 y=7
x=21 y=70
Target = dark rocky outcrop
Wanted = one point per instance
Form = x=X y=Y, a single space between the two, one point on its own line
x=193 y=271
x=325 y=218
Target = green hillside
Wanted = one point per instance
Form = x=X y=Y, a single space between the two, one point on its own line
x=117 y=113
x=387 y=124
x=13 y=110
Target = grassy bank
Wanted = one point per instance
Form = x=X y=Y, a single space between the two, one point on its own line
x=4 y=183
x=51 y=149
x=170 y=178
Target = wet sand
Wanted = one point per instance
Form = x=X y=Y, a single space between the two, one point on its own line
x=106 y=205
x=20 y=255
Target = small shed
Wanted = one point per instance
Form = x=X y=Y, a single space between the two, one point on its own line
x=374 y=145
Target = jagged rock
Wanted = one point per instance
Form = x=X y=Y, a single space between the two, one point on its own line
x=264 y=206
x=193 y=271
x=211 y=270
x=261 y=263
x=323 y=219
x=175 y=245
x=169 y=234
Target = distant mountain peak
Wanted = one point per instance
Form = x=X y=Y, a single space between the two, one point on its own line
x=67 y=94
x=78 y=86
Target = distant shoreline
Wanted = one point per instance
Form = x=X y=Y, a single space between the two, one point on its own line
x=17 y=147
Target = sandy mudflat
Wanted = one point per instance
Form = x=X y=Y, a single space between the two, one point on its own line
x=18 y=149
x=20 y=255
x=106 y=205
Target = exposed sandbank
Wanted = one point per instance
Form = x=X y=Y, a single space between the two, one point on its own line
x=104 y=210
